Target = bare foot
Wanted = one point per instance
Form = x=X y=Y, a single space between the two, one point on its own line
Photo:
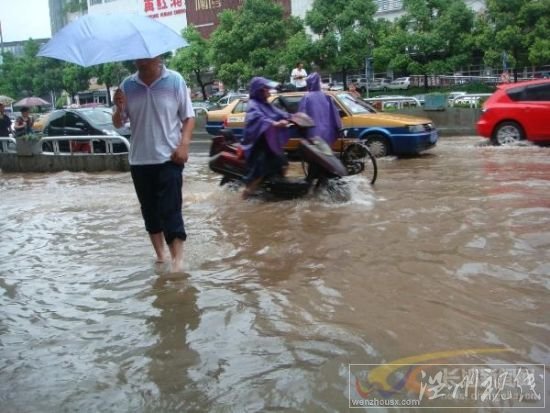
x=176 y=252
x=177 y=265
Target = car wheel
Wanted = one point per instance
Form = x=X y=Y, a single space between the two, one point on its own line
x=378 y=145
x=507 y=133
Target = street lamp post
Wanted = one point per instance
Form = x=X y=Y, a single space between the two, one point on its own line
x=367 y=76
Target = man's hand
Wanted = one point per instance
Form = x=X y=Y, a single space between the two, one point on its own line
x=120 y=99
x=120 y=103
x=181 y=154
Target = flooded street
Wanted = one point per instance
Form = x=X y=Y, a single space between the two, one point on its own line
x=449 y=252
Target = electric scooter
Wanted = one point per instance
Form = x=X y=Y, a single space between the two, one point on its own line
x=322 y=169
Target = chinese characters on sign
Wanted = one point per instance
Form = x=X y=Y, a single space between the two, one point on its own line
x=447 y=385
x=479 y=383
x=163 y=8
x=207 y=4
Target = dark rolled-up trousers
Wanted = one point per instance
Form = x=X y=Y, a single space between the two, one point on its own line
x=158 y=188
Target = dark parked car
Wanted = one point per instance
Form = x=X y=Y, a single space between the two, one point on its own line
x=83 y=122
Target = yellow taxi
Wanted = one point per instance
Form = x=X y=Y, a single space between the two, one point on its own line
x=384 y=133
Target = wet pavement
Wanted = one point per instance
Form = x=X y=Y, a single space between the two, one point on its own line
x=449 y=252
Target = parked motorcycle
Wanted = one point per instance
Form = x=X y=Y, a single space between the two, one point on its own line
x=322 y=169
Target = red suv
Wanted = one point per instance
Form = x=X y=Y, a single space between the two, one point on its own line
x=517 y=111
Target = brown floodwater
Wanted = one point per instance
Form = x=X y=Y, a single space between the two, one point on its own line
x=449 y=251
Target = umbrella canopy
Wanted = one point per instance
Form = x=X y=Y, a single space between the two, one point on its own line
x=5 y=100
x=95 y=39
x=32 y=101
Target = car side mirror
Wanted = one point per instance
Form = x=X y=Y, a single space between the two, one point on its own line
x=342 y=113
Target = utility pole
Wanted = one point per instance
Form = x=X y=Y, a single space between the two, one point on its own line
x=1 y=44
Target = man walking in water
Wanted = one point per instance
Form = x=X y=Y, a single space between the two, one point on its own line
x=157 y=103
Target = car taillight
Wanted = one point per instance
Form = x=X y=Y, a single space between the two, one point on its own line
x=225 y=123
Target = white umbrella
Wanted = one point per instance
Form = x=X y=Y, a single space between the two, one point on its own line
x=96 y=39
x=32 y=101
x=5 y=100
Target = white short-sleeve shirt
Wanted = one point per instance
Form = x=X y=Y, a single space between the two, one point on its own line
x=156 y=113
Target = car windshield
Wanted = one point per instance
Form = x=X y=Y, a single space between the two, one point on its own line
x=353 y=105
x=98 y=117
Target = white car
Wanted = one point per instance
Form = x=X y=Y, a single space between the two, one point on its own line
x=453 y=95
x=230 y=97
x=400 y=83
x=376 y=84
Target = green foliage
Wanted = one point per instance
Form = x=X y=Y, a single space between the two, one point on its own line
x=431 y=37
x=193 y=61
x=346 y=32
x=29 y=75
x=30 y=137
x=257 y=40
x=75 y=78
x=519 y=28
x=74 y=6
x=109 y=74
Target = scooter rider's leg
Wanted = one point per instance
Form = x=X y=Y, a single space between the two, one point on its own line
x=252 y=187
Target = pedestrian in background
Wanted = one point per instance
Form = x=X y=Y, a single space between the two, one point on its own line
x=352 y=90
x=157 y=103
x=5 y=122
x=23 y=123
x=298 y=77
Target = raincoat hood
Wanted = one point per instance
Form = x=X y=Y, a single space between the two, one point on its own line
x=259 y=119
x=257 y=85
x=313 y=82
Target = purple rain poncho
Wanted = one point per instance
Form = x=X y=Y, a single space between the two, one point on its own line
x=322 y=110
x=259 y=118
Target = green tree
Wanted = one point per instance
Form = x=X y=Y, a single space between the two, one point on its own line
x=252 y=41
x=517 y=29
x=193 y=61
x=346 y=32
x=433 y=36
x=110 y=74
x=30 y=75
x=75 y=78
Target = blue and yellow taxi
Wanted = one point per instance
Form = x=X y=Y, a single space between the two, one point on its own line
x=384 y=133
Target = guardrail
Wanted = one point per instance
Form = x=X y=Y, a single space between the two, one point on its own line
x=73 y=145
x=5 y=143
x=73 y=148
x=393 y=102
x=469 y=99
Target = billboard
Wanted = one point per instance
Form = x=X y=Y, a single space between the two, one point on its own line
x=169 y=12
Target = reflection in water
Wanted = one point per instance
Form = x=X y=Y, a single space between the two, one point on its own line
x=448 y=252
x=170 y=357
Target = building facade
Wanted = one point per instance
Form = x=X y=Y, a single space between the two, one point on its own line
x=169 y=12
x=203 y=14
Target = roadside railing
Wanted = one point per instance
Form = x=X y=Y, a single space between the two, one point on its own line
x=469 y=100
x=393 y=102
x=7 y=144
x=68 y=145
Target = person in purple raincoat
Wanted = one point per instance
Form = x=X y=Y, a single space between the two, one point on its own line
x=322 y=110
x=264 y=137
